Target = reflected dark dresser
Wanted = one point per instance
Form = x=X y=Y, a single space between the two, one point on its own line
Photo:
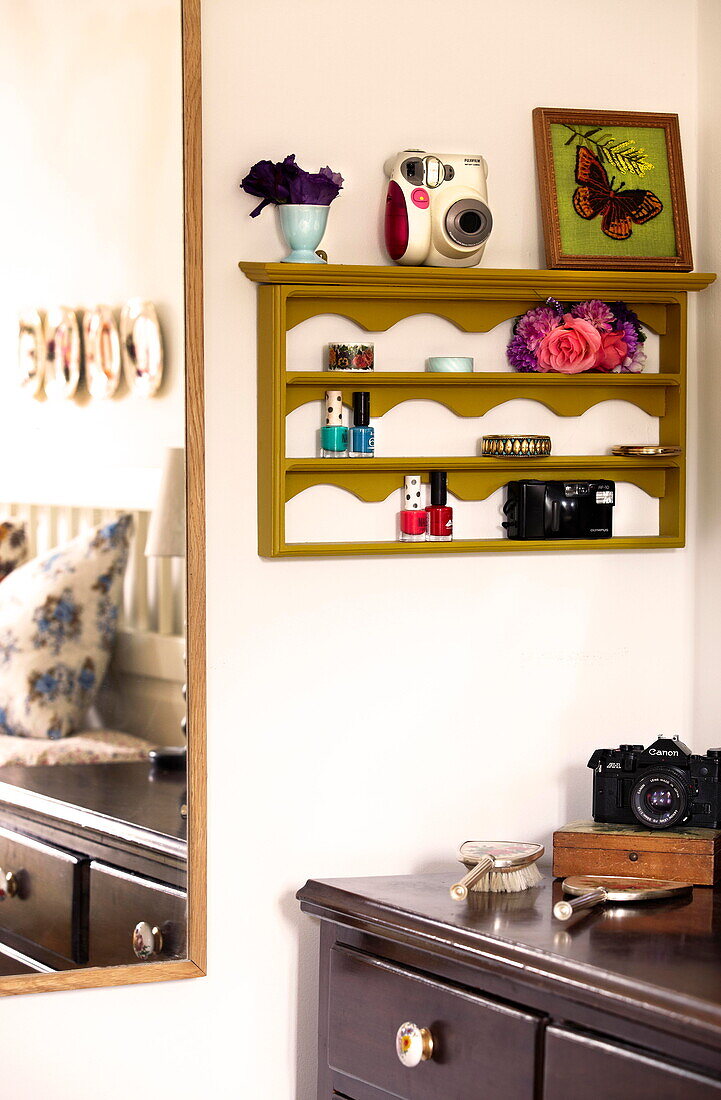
x=511 y=1004
x=93 y=866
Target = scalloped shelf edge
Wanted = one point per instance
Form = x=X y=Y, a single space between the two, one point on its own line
x=474 y=395
x=374 y=314
x=373 y=480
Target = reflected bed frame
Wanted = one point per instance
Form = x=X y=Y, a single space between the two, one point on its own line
x=142 y=692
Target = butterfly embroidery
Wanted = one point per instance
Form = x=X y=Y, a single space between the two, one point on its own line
x=619 y=208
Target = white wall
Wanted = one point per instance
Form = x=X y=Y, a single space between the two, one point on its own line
x=587 y=648
x=707 y=683
x=91 y=199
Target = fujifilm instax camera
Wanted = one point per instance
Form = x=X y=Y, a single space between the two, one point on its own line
x=437 y=211
x=660 y=787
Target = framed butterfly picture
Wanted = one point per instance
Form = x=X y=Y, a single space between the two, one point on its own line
x=612 y=190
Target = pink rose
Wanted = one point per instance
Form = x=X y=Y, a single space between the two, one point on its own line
x=571 y=348
x=612 y=352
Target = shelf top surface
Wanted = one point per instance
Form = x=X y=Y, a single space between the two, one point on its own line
x=478 y=378
x=477 y=462
x=553 y=282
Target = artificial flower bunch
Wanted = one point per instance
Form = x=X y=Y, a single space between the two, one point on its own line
x=286 y=182
x=576 y=337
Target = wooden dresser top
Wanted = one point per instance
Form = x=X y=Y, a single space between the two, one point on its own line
x=663 y=957
x=126 y=801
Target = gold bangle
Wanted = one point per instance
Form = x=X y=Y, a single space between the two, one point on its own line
x=516 y=446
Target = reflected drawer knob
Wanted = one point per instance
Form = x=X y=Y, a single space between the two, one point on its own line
x=413 y=1045
x=147 y=940
x=8 y=885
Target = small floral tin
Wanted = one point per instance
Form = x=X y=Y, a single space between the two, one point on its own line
x=350 y=357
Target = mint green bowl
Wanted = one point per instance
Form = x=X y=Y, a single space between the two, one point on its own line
x=450 y=364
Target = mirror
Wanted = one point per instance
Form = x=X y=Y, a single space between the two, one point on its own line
x=101 y=780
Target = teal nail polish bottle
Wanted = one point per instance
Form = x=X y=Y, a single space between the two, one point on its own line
x=362 y=436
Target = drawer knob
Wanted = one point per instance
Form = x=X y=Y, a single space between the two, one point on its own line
x=8 y=885
x=413 y=1045
x=147 y=940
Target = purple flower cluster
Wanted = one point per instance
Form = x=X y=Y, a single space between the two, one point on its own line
x=520 y=356
x=633 y=334
x=596 y=313
x=536 y=324
x=286 y=182
x=622 y=313
x=622 y=337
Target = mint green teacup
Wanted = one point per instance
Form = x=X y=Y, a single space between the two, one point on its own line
x=450 y=364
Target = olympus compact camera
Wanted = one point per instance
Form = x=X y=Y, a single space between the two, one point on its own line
x=437 y=211
x=659 y=787
x=559 y=509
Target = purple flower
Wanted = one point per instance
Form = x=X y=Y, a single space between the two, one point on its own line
x=270 y=182
x=634 y=361
x=536 y=324
x=597 y=313
x=623 y=314
x=316 y=188
x=519 y=355
x=634 y=335
x=631 y=337
x=285 y=182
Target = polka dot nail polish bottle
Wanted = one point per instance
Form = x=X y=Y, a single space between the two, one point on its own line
x=414 y=517
x=333 y=434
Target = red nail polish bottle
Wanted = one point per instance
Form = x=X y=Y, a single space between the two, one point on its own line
x=440 y=516
x=414 y=517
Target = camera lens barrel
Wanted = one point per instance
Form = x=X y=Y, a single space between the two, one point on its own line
x=469 y=222
x=659 y=799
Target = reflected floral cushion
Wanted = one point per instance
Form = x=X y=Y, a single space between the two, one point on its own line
x=13 y=546
x=58 y=621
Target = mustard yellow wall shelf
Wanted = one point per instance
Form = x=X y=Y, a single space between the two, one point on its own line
x=475 y=300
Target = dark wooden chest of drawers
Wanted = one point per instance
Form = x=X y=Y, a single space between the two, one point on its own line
x=93 y=851
x=625 y=1003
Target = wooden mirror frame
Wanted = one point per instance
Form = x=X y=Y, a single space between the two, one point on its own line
x=193 y=966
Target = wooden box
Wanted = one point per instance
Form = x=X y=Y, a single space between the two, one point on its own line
x=685 y=855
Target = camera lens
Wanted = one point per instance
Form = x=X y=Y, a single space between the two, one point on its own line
x=659 y=800
x=468 y=223
x=658 y=797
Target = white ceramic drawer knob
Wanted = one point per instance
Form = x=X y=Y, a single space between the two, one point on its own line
x=147 y=940
x=413 y=1045
x=8 y=885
